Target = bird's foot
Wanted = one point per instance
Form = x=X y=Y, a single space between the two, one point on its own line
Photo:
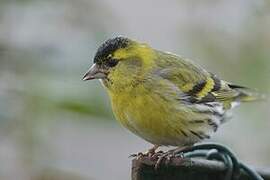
x=137 y=155
x=167 y=156
x=150 y=153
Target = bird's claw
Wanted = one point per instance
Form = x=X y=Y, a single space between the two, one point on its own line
x=166 y=158
x=160 y=156
x=146 y=154
x=138 y=155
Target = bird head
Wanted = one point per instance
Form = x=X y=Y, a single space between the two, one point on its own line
x=120 y=61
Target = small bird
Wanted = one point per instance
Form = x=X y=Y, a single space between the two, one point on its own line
x=163 y=98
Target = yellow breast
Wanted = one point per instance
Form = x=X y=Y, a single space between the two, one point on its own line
x=148 y=116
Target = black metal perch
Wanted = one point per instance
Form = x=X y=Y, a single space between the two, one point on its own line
x=201 y=162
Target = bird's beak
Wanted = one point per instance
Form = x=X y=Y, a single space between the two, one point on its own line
x=94 y=73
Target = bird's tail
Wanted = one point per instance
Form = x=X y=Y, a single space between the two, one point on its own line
x=245 y=94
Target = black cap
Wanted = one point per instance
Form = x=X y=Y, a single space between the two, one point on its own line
x=109 y=46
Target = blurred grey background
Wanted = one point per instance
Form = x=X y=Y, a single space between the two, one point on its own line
x=54 y=126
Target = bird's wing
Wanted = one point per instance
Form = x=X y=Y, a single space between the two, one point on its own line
x=198 y=85
x=192 y=80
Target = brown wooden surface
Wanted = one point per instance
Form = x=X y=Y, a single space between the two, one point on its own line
x=186 y=169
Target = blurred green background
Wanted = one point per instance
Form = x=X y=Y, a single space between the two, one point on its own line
x=55 y=126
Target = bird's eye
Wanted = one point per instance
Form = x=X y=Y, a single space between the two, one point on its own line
x=112 y=62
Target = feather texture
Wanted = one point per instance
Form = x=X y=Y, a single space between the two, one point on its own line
x=164 y=98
